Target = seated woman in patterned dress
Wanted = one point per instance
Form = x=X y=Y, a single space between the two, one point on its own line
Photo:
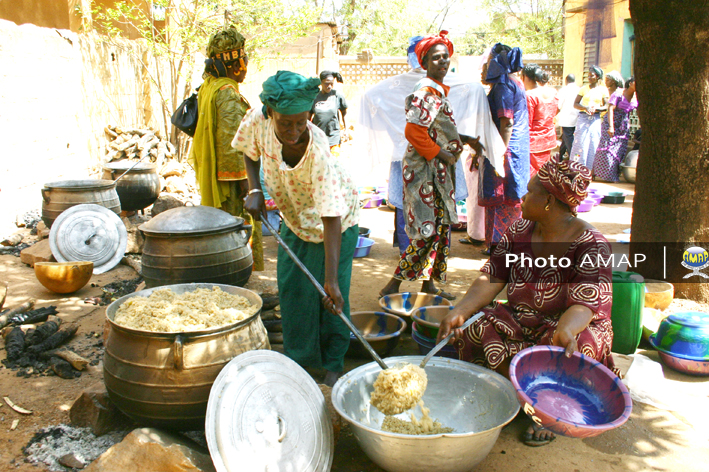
x=567 y=305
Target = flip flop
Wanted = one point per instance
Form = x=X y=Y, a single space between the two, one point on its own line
x=445 y=295
x=531 y=441
x=471 y=241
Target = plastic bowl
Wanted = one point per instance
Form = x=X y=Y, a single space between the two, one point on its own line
x=403 y=304
x=372 y=201
x=684 y=335
x=614 y=198
x=425 y=345
x=364 y=232
x=584 y=206
x=658 y=294
x=381 y=330
x=596 y=199
x=573 y=396
x=428 y=319
x=364 y=246
x=63 y=277
x=686 y=366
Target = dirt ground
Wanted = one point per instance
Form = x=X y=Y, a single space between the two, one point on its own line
x=653 y=438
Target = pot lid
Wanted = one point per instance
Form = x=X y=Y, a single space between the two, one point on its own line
x=81 y=184
x=125 y=165
x=695 y=319
x=265 y=413
x=89 y=232
x=191 y=220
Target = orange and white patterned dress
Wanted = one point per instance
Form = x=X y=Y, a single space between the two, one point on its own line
x=536 y=299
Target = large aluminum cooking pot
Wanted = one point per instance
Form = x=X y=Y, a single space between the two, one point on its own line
x=138 y=188
x=196 y=244
x=474 y=401
x=58 y=196
x=164 y=379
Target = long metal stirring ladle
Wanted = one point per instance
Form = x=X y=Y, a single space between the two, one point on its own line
x=131 y=167
x=445 y=340
x=317 y=285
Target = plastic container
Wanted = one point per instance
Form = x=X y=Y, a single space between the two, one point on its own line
x=627 y=311
x=274 y=219
x=614 y=198
x=364 y=245
x=584 y=206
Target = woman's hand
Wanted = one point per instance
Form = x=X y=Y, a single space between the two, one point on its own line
x=611 y=132
x=564 y=338
x=590 y=110
x=334 y=301
x=255 y=204
x=451 y=322
x=446 y=157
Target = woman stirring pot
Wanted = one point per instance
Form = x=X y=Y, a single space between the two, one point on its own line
x=320 y=208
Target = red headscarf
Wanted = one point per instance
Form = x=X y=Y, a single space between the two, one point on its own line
x=428 y=42
x=567 y=180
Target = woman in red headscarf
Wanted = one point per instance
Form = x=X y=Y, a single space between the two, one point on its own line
x=558 y=293
x=429 y=171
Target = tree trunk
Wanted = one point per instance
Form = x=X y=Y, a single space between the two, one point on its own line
x=671 y=203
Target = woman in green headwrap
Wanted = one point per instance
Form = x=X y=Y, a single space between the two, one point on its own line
x=220 y=170
x=320 y=209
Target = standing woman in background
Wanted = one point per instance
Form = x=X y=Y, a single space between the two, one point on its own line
x=591 y=100
x=429 y=171
x=324 y=113
x=616 y=129
x=542 y=105
x=219 y=168
x=503 y=189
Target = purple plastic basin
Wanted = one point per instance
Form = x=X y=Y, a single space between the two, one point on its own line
x=573 y=396
x=364 y=245
x=585 y=206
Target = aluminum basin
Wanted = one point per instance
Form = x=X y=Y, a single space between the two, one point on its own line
x=474 y=401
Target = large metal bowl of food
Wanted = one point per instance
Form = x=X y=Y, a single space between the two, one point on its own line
x=474 y=401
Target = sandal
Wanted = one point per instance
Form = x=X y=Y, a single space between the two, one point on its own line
x=471 y=241
x=444 y=294
x=531 y=439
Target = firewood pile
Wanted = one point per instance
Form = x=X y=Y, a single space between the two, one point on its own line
x=133 y=143
x=137 y=143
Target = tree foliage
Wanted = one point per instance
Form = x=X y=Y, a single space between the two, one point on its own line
x=177 y=30
x=536 y=26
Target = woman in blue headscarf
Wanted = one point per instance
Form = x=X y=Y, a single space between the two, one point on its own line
x=320 y=208
x=502 y=189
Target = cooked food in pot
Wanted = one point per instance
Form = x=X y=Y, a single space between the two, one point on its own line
x=167 y=312
x=399 y=388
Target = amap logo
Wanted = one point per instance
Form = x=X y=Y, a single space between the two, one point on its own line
x=695 y=259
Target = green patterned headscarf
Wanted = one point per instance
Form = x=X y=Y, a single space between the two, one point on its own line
x=289 y=93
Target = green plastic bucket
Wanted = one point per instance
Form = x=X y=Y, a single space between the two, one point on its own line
x=627 y=311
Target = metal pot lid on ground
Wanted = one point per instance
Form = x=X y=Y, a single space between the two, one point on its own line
x=89 y=232
x=191 y=220
x=266 y=413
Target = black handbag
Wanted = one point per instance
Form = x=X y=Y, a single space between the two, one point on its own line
x=186 y=116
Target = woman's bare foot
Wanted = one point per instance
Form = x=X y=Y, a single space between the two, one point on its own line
x=391 y=287
x=536 y=436
x=429 y=287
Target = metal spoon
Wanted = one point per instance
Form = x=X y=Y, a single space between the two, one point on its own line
x=319 y=288
x=445 y=340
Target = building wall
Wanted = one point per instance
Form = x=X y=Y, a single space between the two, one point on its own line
x=574 y=45
x=47 y=13
x=56 y=105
